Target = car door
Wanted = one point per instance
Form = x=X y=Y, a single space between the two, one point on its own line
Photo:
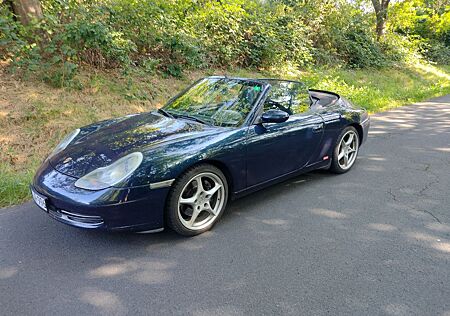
x=331 y=113
x=276 y=149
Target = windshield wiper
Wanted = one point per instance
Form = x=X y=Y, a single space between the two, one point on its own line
x=193 y=118
x=164 y=112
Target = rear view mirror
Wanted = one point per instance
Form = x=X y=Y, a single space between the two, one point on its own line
x=274 y=116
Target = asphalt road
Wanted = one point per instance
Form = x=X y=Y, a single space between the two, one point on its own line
x=373 y=241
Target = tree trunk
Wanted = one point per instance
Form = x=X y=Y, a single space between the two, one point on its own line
x=26 y=10
x=381 y=8
x=381 y=23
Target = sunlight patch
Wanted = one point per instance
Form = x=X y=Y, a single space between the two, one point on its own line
x=442 y=246
x=106 y=302
x=8 y=272
x=109 y=270
x=382 y=227
x=328 y=213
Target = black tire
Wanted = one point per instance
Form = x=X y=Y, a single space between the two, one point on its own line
x=172 y=214
x=335 y=165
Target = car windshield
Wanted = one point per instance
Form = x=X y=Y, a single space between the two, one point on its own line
x=216 y=101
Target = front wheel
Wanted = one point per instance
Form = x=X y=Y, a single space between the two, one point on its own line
x=345 y=151
x=197 y=200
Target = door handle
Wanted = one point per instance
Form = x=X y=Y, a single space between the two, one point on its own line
x=317 y=128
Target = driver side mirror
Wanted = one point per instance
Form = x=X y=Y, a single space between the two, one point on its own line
x=274 y=116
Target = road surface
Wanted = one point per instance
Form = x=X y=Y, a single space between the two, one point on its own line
x=373 y=241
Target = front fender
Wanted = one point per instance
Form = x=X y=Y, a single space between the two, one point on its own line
x=169 y=161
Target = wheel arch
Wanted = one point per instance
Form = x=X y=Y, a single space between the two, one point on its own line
x=224 y=168
x=359 y=129
x=218 y=164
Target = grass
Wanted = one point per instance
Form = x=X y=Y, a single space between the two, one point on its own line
x=35 y=116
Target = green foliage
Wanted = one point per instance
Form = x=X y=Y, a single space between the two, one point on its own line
x=435 y=51
x=346 y=38
x=426 y=25
x=11 y=40
x=443 y=28
x=360 y=50
x=170 y=36
x=14 y=186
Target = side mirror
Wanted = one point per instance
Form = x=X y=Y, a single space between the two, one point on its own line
x=274 y=116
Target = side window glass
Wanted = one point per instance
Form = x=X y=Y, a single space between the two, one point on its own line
x=301 y=101
x=292 y=97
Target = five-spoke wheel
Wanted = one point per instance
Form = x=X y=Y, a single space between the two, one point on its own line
x=197 y=200
x=201 y=200
x=345 y=151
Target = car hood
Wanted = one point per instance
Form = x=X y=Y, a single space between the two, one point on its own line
x=99 y=145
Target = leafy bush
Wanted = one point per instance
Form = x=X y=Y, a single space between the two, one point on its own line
x=400 y=48
x=360 y=49
x=173 y=35
x=435 y=51
x=11 y=41
x=425 y=29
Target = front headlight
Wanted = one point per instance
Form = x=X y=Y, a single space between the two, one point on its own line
x=65 y=142
x=108 y=176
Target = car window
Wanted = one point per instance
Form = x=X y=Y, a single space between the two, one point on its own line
x=292 y=97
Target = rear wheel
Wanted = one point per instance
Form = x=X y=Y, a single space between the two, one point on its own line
x=197 y=200
x=345 y=151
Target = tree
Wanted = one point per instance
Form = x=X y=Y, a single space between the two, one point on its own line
x=26 y=10
x=438 y=6
x=381 y=7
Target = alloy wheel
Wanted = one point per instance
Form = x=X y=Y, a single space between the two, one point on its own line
x=348 y=150
x=201 y=200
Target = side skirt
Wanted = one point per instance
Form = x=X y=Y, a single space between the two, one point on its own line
x=152 y=231
x=259 y=186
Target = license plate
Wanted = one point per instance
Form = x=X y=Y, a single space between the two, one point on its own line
x=39 y=200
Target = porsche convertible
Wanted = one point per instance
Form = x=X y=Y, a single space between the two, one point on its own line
x=178 y=166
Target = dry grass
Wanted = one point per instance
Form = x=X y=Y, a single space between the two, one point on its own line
x=34 y=116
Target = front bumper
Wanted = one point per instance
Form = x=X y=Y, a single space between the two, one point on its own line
x=135 y=209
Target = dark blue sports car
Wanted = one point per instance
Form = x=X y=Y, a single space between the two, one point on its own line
x=178 y=166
